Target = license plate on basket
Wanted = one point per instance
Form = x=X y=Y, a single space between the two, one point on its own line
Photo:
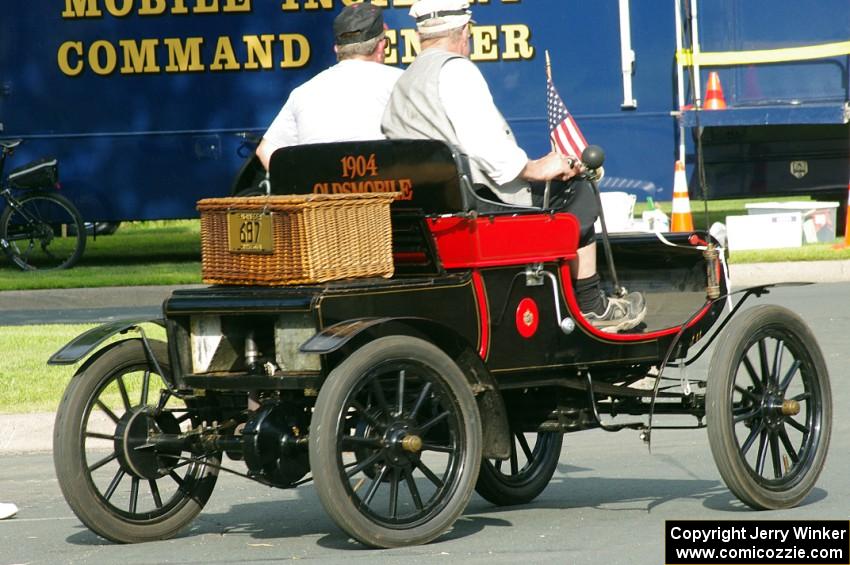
x=249 y=232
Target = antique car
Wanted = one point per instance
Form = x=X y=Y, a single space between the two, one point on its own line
x=458 y=368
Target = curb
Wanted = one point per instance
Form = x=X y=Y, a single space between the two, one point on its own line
x=750 y=274
x=26 y=433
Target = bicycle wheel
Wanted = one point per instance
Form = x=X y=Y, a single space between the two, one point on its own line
x=42 y=231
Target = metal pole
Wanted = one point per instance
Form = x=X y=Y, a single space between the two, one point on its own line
x=680 y=76
x=609 y=255
x=695 y=53
x=548 y=188
x=627 y=56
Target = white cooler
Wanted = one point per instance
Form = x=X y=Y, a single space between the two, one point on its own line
x=818 y=217
x=764 y=231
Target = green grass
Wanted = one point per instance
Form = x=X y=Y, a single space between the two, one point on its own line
x=28 y=383
x=139 y=253
x=810 y=252
x=163 y=240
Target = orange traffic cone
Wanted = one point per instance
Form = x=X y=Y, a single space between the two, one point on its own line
x=682 y=221
x=846 y=224
x=714 y=93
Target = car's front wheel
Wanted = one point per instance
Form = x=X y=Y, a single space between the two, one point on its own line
x=769 y=408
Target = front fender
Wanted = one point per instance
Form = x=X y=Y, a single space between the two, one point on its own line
x=88 y=341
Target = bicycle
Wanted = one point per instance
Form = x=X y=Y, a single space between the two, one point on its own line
x=40 y=229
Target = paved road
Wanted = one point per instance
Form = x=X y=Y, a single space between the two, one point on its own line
x=607 y=502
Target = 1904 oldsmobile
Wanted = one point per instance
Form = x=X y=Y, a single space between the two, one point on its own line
x=456 y=366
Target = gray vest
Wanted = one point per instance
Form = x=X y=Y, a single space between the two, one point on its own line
x=415 y=111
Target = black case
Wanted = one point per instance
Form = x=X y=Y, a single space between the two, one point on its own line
x=42 y=173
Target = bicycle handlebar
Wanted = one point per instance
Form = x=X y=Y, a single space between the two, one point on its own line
x=9 y=144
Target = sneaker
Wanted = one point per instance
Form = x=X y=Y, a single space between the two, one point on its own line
x=7 y=510
x=620 y=313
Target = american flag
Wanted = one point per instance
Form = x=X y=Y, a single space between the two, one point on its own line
x=566 y=138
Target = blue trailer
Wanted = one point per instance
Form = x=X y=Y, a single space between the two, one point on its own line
x=150 y=105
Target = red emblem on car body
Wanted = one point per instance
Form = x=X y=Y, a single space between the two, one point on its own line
x=527 y=317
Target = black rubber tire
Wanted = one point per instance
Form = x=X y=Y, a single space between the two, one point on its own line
x=746 y=383
x=523 y=484
x=54 y=247
x=344 y=400
x=178 y=503
x=251 y=174
x=102 y=228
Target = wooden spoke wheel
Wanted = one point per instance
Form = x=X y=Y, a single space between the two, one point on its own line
x=769 y=408
x=525 y=474
x=119 y=487
x=395 y=442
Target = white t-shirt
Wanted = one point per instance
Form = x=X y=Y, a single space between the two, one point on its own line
x=342 y=103
x=478 y=125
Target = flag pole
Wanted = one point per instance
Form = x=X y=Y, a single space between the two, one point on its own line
x=618 y=290
x=547 y=190
x=548 y=80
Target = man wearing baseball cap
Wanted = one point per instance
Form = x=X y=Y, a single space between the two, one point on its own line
x=443 y=95
x=346 y=101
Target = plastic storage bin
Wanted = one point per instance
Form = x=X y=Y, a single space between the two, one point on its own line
x=818 y=217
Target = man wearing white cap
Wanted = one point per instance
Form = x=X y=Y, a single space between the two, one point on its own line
x=443 y=95
x=327 y=108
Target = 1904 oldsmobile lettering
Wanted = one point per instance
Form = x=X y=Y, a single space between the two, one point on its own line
x=457 y=365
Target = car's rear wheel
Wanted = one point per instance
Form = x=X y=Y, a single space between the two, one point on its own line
x=395 y=442
x=119 y=486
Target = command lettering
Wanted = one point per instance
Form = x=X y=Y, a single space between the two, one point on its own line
x=289 y=50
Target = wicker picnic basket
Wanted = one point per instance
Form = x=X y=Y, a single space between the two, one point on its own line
x=315 y=238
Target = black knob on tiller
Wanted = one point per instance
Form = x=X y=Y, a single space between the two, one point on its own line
x=593 y=156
